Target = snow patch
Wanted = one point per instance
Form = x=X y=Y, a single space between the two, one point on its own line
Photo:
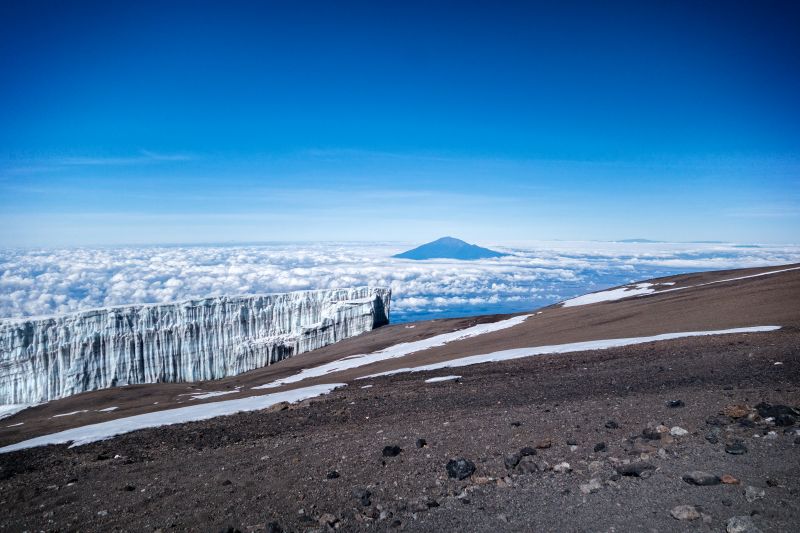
x=518 y=353
x=15 y=425
x=71 y=413
x=639 y=289
x=643 y=289
x=105 y=430
x=13 y=408
x=107 y=409
x=211 y=394
x=395 y=351
x=441 y=378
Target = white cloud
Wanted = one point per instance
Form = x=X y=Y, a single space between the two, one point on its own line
x=50 y=281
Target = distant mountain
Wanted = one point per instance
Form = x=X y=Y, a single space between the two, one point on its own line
x=641 y=241
x=449 y=248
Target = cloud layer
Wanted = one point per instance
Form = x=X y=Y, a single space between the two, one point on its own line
x=51 y=281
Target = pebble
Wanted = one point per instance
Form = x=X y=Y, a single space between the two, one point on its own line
x=526 y=451
x=363 y=495
x=543 y=444
x=736 y=410
x=678 y=431
x=333 y=474
x=741 y=524
x=572 y=442
x=736 y=447
x=685 y=512
x=102 y=513
x=562 y=468
x=635 y=469
x=274 y=527
x=600 y=447
x=611 y=424
x=460 y=468
x=392 y=451
x=593 y=486
x=511 y=461
x=700 y=478
x=529 y=465
x=785 y=420
x=728 y=479
x=327 y=520
x=752 y=493
x=421 y=443
x=675 y=403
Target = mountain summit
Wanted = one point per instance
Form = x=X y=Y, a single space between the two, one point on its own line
x=449 y=248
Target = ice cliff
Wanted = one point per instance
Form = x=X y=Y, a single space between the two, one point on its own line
x=44 y=359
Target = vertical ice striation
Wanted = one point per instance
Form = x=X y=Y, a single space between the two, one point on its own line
x=43 y=359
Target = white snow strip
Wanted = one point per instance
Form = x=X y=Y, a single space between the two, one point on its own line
x=12 y=409
x=610 y=295
x=107 y=409
x=518 y=353
x=393 y=352
x=643 y=289
x=15 y=425
x=212 y=394
x=441 y=378
x=370 y=386
x=105 y=430
x=70 y=413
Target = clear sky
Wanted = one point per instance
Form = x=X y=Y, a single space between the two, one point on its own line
x=158 y=122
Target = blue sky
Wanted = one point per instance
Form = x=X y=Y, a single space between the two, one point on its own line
x=137 y=122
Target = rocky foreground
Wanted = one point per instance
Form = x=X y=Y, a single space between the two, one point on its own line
x=698 y=434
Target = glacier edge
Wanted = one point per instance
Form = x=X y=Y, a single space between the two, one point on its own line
x=46 y=358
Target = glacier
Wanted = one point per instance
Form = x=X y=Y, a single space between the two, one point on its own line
x=46 y=358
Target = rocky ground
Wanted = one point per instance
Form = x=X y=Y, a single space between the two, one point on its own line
x=693 y=434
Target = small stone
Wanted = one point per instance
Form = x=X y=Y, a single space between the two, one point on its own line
x=593 y=486
x=102 y=513
x=685 y=512
x=771 y=435
x=728 y=479
x=421 y=443
x=529 y=464
x=227 y=482
x=543 y=444
x=611 y=424
x=600 y=447
x=736 y=447
x=772 y=482
x=392 y=451
x=700 y=478
x=274 y=527
x=712 y=437
x=785 y=420
x=333 y=474
x=752 y=494
x=327 y=520
x=511 y=461
x=675 y=403
x=526 y=451
x=640 y=469
x=766 y=410
x=736 y=410
x=572 y=442
x=741 y=524
x=129 y=488
x=651 y=433
x=678 y=431
x=363 y=495
x=516 y=424
x=460 y=468
x=562 y=468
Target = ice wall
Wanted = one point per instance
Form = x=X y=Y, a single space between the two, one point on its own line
x=43 y=359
